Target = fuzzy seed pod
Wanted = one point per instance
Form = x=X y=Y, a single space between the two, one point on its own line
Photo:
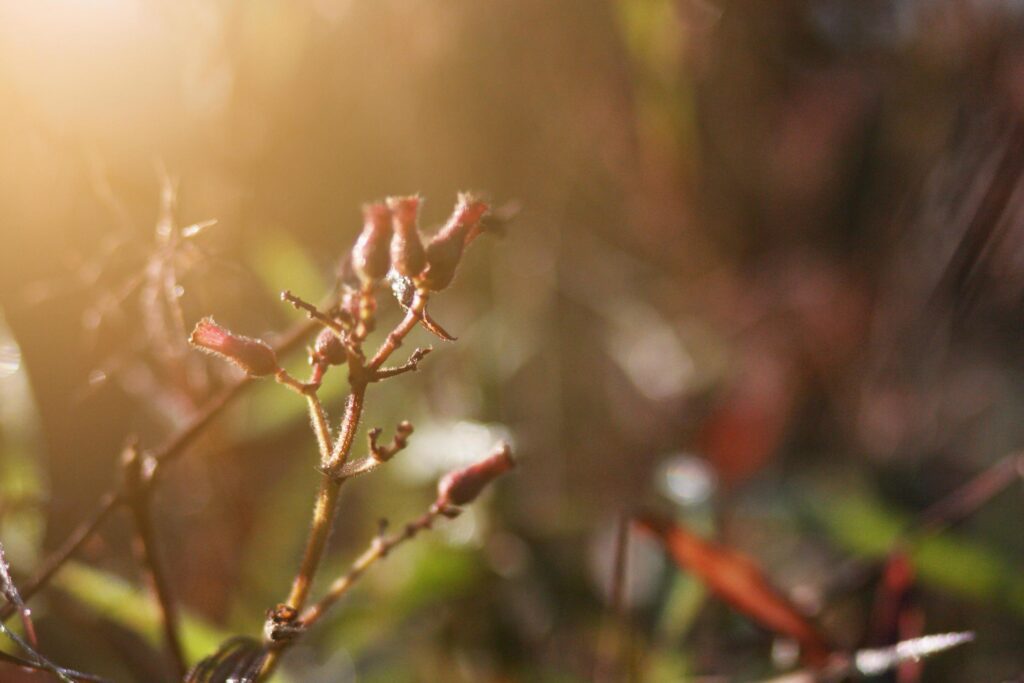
x=463 y=486
x=371 y=259
x=407 y=254
x=444 y=251
x=252 y=355
x=329 y=348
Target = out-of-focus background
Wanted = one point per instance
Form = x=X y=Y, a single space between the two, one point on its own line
x=767 y=278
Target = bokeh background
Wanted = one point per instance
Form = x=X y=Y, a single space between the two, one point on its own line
x=766 y=276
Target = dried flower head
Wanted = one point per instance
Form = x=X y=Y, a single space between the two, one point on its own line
x=407 y=254
x=463 y=486
x=254 y=356
x=371 y=257
x=444 y=251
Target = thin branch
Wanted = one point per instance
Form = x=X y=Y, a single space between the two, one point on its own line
x=967 y=499
x=413 y=315
x=379 y=549
x=398 y=442
x=171 y=449
x=378 y=454
x=312 y=311
x=138 y=470
x=30 y=646
x=47 y=666
x=320 y=427
x=10 y=593
x=612 y=652
x=411 y=365
x=78 y=537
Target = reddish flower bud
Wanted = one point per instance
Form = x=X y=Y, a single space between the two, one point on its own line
x=252 y=355
x=445 y=248
x=329 y=348
x=371 y=259
x=463 y=486
x=407 y=255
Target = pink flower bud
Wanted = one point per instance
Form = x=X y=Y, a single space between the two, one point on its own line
x=407 y=255
x=463 y=486
x=329 y=348
x=445 y=249
x=371 y=259
x=252 y=355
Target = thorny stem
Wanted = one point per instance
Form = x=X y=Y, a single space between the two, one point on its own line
x=378 y=550
x=171 y=449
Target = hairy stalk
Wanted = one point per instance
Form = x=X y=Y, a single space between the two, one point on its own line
x=326 y=501
x=327 y=496
x=323 y=431
x=378 y=550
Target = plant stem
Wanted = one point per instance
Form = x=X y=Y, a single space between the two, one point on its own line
x=412 y=316
x=327 y=495
x=326 y=501
x=323 y=514
x=323 y=431
x=149 y=558
x=377 y=551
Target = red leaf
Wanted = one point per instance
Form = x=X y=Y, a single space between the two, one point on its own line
x=734 y=578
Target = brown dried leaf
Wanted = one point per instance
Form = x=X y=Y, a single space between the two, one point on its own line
x=736 y=579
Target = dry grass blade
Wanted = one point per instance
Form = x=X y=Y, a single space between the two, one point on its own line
x=735 y=578
x=876 y=661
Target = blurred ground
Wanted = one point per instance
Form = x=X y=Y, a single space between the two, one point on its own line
x=767 y=277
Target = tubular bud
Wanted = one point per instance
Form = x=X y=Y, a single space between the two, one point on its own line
x=463 y=486
x=252 y=355
x=370 y=256
x=407 y=254
x=444 y=250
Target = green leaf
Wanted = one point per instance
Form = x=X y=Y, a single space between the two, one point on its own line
x=864 y=525
x=135 y=608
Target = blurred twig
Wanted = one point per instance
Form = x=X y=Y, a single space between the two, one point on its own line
x=613 y=653
x=378 y=550
x=29 y=646
x=137 y=471
x=171 y=449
